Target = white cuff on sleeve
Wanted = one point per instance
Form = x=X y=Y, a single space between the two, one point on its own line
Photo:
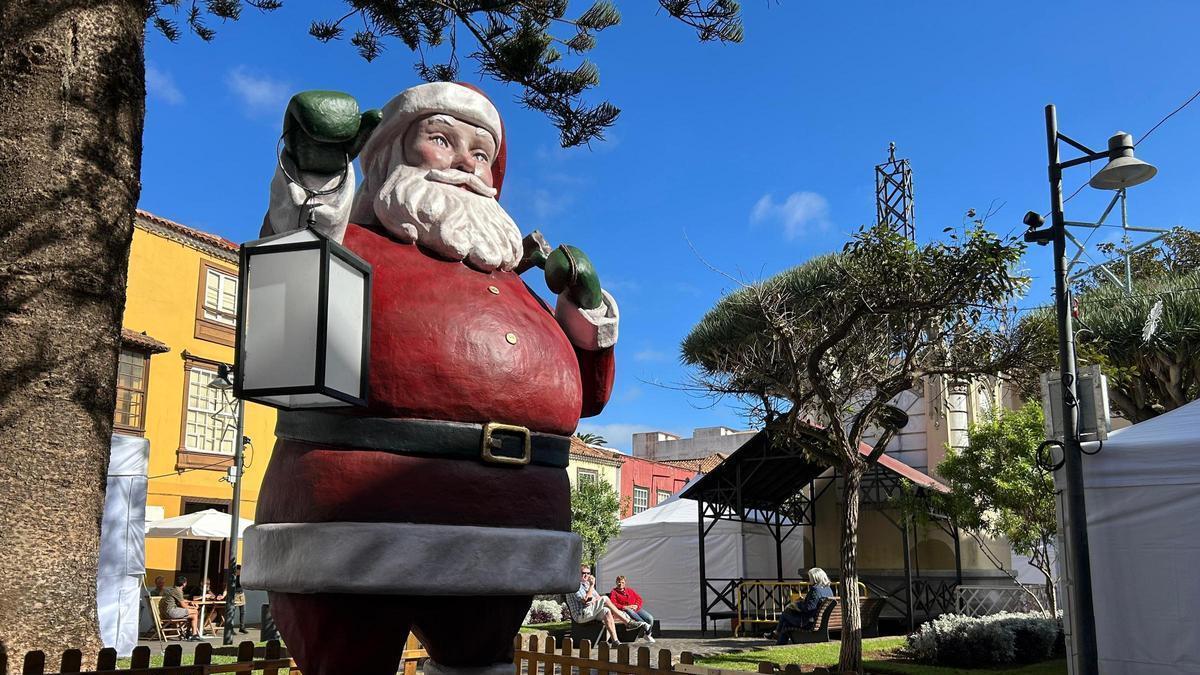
x=331 y=212
x=589 y=329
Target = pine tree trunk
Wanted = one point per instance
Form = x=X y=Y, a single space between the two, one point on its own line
x=72 y=100
x=850 y=658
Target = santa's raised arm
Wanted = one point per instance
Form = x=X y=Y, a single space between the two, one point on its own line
x=445 y=500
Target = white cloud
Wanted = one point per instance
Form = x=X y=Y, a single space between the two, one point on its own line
x=618 y=434
x=259 y=93
x=801 y=212
x=549 y=203
x=160 y=84
x=649 y=354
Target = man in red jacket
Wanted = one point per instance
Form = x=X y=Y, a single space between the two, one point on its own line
x=627 y=600
x=444 y=505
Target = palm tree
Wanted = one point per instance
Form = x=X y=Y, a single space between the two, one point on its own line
x=591 y=439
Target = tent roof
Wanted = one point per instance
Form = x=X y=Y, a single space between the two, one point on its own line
x=1163 y=450
x=207 y=524
x=769 y=474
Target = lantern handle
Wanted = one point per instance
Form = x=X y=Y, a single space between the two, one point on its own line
x=309 y=193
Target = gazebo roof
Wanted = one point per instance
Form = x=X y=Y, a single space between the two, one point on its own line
x=762 y=475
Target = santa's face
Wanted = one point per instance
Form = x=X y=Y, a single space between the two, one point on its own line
x=443 y=142
x=438 y=193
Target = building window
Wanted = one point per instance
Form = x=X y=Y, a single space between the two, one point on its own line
x=220 y=296
x=132 y=373
x=587 y=476
x=211 y=422
x=661 y=496
x=216 y=304
x=641 y=499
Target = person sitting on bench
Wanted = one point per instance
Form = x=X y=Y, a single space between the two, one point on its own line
x=802 y=613
x=587 y=605
x=631 y=603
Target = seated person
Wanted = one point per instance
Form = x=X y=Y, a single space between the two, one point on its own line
x=160 y=584
x=215 y=613
x=588 y=605
x=802 y=612
x=627 y=600
x=174 y=606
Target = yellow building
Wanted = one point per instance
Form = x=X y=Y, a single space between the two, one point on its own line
x=587 y=463
x=180 y=308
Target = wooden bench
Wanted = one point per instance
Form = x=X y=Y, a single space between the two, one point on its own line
x=829 y=618
x=595 y=632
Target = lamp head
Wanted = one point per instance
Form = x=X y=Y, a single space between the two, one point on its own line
x=1123 y=169
x=221 y=380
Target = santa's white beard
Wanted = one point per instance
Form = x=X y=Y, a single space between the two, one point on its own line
x=431 y=209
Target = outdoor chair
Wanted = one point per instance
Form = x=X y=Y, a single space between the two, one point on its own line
x=167 y=628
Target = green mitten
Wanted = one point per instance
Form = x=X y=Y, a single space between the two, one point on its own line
x=322 y=130
x=569 y=269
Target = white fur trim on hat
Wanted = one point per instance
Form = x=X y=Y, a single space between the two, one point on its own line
x=431 y=98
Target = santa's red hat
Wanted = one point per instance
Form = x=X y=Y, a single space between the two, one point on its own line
x=456 y=99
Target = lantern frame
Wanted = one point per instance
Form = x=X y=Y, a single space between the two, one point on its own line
x=328 y=249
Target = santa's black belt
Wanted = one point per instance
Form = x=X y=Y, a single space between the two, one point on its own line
x=493 y=443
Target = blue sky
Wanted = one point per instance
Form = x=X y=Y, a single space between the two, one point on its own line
x=750 y=158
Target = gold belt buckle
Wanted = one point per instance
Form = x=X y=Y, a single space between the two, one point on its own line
x=485 y=448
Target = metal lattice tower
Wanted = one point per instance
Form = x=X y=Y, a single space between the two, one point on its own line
x=894 y=194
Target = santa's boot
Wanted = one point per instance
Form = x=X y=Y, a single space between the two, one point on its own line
x=469 y=635
x=341 y=634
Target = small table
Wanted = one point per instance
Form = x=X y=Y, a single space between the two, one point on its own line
x=205 y=604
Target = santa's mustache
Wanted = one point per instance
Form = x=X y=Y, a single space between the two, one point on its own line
x=468 y=180
x=431 y=207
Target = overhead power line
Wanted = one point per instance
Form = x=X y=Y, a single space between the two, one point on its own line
x=1169 y=116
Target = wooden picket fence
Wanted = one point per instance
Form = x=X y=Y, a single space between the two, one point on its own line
x=534 y=652
x=532 y=656
x=545 y=656
x=273 y=662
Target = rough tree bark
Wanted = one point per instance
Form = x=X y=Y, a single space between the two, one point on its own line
x=850 y=657
x=72 y=97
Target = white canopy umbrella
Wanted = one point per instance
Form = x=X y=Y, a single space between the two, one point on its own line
x=209 y=525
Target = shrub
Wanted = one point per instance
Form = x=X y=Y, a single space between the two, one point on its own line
x=995 y=640
x=545 y=611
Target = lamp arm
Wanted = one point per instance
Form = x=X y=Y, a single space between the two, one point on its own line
x=1082 y=160
x=1077 y=145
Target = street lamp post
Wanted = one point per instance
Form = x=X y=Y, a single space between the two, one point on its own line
x=222 y=382
x=1123 y=170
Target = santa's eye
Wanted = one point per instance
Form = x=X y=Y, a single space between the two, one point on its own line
x=439 y=140
x=481 y=157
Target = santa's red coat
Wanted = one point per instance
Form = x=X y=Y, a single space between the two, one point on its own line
x=447 y=343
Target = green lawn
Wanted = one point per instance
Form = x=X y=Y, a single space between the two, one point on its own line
x=820 y=654
x=874 y=651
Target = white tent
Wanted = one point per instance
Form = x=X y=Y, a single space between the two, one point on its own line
x=658 y=551
x=209 y=525
x=1143 y=497
x=122 y=561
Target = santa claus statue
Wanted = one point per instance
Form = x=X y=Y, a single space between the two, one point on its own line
x=443 y=506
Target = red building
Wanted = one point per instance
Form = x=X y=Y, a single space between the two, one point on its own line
x=645 y=483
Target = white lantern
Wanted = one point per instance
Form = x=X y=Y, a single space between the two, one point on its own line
x=304 y=323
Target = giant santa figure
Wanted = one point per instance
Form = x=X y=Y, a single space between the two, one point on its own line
x=444 y=505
